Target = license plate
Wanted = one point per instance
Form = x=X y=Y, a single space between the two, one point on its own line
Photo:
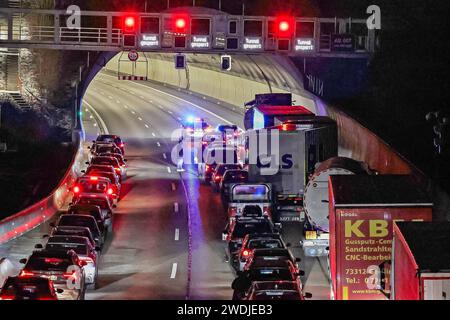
x=311 y=235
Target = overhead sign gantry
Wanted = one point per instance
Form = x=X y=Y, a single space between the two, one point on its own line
x=187 y=30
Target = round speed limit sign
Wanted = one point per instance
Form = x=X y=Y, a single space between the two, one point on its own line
x=133 y=55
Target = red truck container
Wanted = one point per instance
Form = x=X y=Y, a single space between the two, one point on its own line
x=421 y=261
x=362 y=211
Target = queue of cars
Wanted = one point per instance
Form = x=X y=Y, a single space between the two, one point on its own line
x=264 y=265
x=67 y=265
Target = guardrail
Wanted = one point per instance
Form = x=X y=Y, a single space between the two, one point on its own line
x=31 y=217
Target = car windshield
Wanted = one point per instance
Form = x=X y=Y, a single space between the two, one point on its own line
x=264 y=244
x=105 y=149
x=100 y=168
x=250 y=193
x=276 y=295
x=271 y=274
x=235 y=177
x=79 y=221
x=109 y=139
x=73 y=232
x=80 y=249
x=48 y=264
x=26 y=287
x=108 y=175
x=242 y=229
x=221 y=169
x=105 y=161
x=90 y=186
x=102 y=203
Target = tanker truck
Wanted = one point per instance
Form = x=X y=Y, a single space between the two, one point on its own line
x=315 y=203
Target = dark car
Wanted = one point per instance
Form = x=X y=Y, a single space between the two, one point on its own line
x=109 y=161
x=218 y=173
x=75 y=220
x=91 y=210
x=259 y=241
x=29 y=288
x=74 y=231
x=111 y=138
x=103 y=202
x=237 y=229
x=267 y=269
x=64 y=269
x=229 y=178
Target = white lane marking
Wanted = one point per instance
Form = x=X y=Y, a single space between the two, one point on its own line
x=169 y=111
x=105 y=128
x=153 y=134
x=139 y=118
x=126 y=107
x=91 y=116
x=173 y=274
x=179 y=119
x=176 y=206
x=158 y=144
x=177 y=234
x=186 y=101
x=95 y=124
x=110 y=97
x=146 y=125
x=164 y=156
x=169 y=170
x=173 y=189
x=133 y=112
x=118 y=101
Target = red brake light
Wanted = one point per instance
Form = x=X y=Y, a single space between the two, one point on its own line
x=76 y=189
x=245 y=253
x=53 y=260
x=110 y=191
x=207 y=167
x=24 y=273
x=68 y=275
x=94 y=178
x=217 y=178
x=87 y=259
x=122 y=145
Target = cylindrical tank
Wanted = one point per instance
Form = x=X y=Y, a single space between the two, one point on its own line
x=316 y=191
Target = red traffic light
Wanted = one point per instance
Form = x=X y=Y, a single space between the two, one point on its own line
x=129 y=23
x=284 y=27
x=180 y=24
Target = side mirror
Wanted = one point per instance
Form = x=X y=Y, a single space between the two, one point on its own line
x=59 y=290
x=308 y=295
x=70 y=204
x=114 y=206
x=89 y=148
x=298 y=259
x=87 y=162
x=93 y=141
x=98 y=249
x=234 y=284
x=301 y=273
x=288 y=244
x=38 y=246
x=125 y=160
x=45 y=236
x=83 y=171
x=23 y=261
x=224 y=235
x=52 y=224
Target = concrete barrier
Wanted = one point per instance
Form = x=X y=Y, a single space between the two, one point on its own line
x=31 y=217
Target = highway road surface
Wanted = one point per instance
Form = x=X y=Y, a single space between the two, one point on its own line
x=167 y=228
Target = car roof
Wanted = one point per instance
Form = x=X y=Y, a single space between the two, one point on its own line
x=77 y=216
x=108 y=136
x=256 y=236
x=68 y=239
x=275 y=285
x=18 y=280
x=51 y=254
x=93 y=195
x=270 y=262
x=271 y=252
x=85 y=207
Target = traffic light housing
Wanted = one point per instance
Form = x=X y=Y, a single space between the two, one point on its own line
x=284 y=26
x=129 y=24
x=181 y=24
x=225 y=63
